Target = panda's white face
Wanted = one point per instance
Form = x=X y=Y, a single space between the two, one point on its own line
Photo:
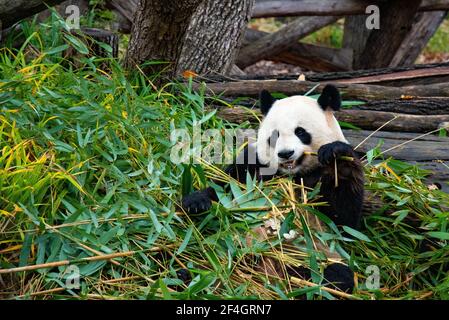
x=291 y=127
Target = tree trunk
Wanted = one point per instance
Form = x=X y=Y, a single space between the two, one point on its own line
x=214 y=33
x=158 y=33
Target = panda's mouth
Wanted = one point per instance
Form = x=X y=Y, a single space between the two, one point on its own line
x=292 y=164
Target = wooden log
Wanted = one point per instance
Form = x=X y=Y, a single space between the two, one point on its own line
x=414 y=106
x=124 y=7
x=427 y=106
x=398 y=76
x=354 y=37
x=281 y=40
x=424 y=27
x=395 y=24
x=307 y=56
x=414 y=76
x=291 y=8
x=402 y=146
x=14 y=11
x=252 y=88
x=364 y=119
x=372 y=120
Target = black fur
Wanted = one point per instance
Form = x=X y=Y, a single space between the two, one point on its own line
x=303 y=135
x=346 y=199
x=266 y=101
x=330 y=98
x=336 y=276
x=340 y=277
x=198 y=201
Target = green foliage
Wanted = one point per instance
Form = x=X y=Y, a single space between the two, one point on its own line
x=86 y=171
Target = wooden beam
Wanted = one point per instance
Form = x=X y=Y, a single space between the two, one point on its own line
x=295 y=8
x=14 y=11
x=424 y=26
x=277 y=42
x=428 y=148
x=307 y=56
x=124 y=7
x=364 y=119
x=252 y=88
x=354 y=37
x=414 y=106
x=417 y=106
x=424 y=74
x=415 y=75
x=373 y=120
x=395 y=24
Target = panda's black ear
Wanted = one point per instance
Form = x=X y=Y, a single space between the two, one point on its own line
x=266 y=101
x=330 y=98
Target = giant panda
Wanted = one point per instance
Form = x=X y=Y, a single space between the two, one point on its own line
x=292 y=129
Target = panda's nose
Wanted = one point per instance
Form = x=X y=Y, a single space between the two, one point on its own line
x=285 y=154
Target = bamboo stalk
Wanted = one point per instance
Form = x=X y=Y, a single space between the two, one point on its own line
x=68 y=262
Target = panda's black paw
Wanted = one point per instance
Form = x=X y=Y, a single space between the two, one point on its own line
x=331 y=151
x=339 y=276
x=196 y=202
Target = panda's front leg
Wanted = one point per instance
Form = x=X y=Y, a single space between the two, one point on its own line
x=342 y=183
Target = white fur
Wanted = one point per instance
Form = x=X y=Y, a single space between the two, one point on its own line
x=285 y=116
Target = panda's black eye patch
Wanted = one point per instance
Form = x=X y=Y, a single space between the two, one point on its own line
x=273 y=138
x=303 y=135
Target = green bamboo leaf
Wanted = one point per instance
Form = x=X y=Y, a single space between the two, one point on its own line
x=356 y=234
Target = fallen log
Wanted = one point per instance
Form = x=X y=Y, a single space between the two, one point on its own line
x=399 y=76
x=362 y=92
x=291 y=8
x=373 y=120
x=14 y=11
x=364 y=119
x=416 y=106
x=424 y=26
x=355 y=35
x=427 y=106
x=124 y=7
x=401 y=146
x=307 y=56
x=277 y=42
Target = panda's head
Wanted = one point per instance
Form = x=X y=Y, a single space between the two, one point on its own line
x=295 y=125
